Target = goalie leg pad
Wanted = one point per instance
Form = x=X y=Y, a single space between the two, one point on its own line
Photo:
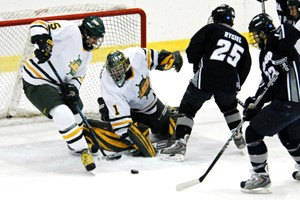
x=172 y=124
x=139 y=135
x=106 y=137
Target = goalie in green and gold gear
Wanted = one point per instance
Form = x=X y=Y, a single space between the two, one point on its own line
x=129 y=103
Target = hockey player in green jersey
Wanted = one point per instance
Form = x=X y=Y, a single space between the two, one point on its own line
x=67 y=47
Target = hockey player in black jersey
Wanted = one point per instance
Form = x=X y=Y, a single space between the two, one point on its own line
x=221 y=63
x=287 y=10
x=281 y=115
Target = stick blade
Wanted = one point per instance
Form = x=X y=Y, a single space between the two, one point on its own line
x=185 y=185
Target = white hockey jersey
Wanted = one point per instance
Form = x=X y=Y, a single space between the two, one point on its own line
x=68 y=55
x=136 y=94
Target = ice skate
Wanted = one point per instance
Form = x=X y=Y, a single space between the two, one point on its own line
x=239 y=140
x=259 y=183
x=176 y=152
x=87 y=160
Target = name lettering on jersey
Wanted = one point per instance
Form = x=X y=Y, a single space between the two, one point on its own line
x=233 y=37
x=144 y=87
x=74 y=65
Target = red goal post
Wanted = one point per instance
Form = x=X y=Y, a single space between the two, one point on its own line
x=124 y=28
x=129 y=11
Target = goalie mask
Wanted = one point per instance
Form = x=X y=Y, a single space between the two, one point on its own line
x=259 y=28
x=117 y=65
x=223 y=14
x=92 y=30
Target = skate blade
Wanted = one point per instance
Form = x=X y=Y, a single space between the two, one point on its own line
x=257 y=191
x=172 y=158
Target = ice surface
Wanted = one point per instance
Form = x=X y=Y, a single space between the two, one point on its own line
x=35 y=163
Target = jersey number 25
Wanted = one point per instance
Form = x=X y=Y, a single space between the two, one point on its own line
x=224 y=51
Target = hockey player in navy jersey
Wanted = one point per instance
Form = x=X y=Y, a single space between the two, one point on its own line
x=278 y=57
x=68 y=47
x=287 y=10
x=221 y=63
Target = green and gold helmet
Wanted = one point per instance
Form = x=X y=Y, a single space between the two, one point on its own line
x=93 y=30
x=117 y=65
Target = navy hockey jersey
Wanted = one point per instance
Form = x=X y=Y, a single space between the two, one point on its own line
x=280 y=44
x=222 y=56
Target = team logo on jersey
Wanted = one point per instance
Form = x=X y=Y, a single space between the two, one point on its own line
x=74 y=65
x=144 y=87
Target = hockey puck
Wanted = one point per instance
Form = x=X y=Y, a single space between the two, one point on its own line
x=134 y=171
x=295 y=175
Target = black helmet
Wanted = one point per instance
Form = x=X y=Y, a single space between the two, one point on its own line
x=223 y=14
x=293 y=3
x=260 y=23
x=117 y=65
x=92 y=26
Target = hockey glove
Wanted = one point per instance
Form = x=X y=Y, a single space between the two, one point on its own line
x=71 y=96
x=282 y=65
x=45 y=44
x=250 y=111
x=178 y=62
x=103 y=110
x=168 y=60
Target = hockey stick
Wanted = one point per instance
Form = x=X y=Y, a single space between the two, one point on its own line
x=64 y=89
x=157 y=145
x=263 y=8
x=241 y=103
x=270 y=83
x=191 y=183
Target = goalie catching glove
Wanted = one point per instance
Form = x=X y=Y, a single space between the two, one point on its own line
x=168 y=60
x=45 y=44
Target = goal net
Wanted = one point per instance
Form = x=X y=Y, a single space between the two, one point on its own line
x=125 y=27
